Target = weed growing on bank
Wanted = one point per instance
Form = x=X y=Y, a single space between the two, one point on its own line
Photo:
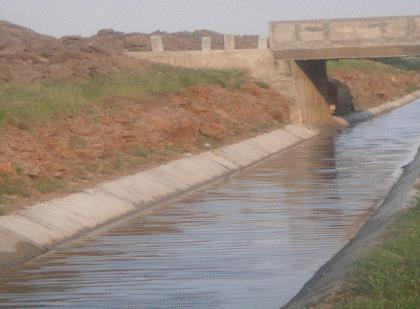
x=362 y=65
x=389 y=275
x=404 y=63
x=412 y=88
x=23 y=104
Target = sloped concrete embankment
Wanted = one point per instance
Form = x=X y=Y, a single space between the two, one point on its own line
x=329 y=278
x=364 y=115
x=35 y=230
x=332 y=275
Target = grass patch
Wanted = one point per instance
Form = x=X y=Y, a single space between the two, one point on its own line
x=389 y=275
x=48 y=185
x=405 y=63
x=79 y=142
x=205 y=142
x=412 y=88
x=23 y=104
x=141 y=152
x=262 y=84
x=362 y=65
x=10 y=186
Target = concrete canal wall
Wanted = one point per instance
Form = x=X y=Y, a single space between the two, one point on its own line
x=35 y=230
x=329 y=278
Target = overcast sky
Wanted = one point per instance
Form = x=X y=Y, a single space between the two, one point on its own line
x=86 y=17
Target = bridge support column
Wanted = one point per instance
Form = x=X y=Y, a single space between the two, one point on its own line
x=312 y=90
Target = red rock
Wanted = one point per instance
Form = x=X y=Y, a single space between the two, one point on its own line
x=86 y=154
x=6 y=168
x=213 y=130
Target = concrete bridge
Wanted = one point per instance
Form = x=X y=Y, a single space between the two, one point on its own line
x=295 y=61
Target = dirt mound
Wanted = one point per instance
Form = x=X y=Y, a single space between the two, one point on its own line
x=27 y=56
x=374 y=84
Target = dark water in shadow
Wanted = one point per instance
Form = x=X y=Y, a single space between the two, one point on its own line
x=250 y=241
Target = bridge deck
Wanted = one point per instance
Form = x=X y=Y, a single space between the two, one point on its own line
x=348 y=52
x=346 y=38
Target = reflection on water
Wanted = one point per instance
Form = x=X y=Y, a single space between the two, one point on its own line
x=250 y=241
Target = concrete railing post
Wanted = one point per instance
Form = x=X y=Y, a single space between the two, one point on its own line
x=206 y=43
x=262 y=43
x=229 y=42
x=157 y=44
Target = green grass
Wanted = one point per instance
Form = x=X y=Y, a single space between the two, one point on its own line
x=9 y=186
x=205 y=142
x=389 y=275
x=48 y=185
x=262 y=84
x=141 y=152
x=361 y=65
x=412 y=88
x=405 y=63
x=22 y=104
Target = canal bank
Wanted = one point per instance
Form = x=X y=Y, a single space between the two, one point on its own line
x=330 y=278
x=252 y=239
x=373 y=111
x=36 y=230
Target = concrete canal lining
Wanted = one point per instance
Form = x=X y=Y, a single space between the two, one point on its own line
x=37 y=229
x=330 y=277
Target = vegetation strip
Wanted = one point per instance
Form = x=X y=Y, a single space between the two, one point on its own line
x=22 y=104
x=388 y=276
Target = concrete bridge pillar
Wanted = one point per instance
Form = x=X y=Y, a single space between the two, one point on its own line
x=229 y=40
x=262 y=43
x=312 y=91
x=157 y=43
x=206 y=43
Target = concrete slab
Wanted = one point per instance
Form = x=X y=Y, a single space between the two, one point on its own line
x=48 y=223
x=206 y=43
x=30 y=231
x=228 y=164
x=262 y=43
x=157 y=43
x=301 y=132
x=229 y=41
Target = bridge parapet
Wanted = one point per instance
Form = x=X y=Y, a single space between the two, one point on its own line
x=346 y=38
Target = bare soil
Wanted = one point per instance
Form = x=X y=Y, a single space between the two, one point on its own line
x=27 y=56
x=370 y=88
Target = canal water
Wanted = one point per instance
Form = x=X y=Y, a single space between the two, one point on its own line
x=249 y=241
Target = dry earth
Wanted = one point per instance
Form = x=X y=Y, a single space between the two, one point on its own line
x=27 y=56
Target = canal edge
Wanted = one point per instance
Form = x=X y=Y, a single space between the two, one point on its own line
x=371 y=112
x=37 y=229
x=329 y=278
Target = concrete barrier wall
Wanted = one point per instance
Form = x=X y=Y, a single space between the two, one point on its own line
x=260 y=63
x=361 y=32
x=36 y=229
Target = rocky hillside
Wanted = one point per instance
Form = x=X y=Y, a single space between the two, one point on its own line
x=27 y=56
